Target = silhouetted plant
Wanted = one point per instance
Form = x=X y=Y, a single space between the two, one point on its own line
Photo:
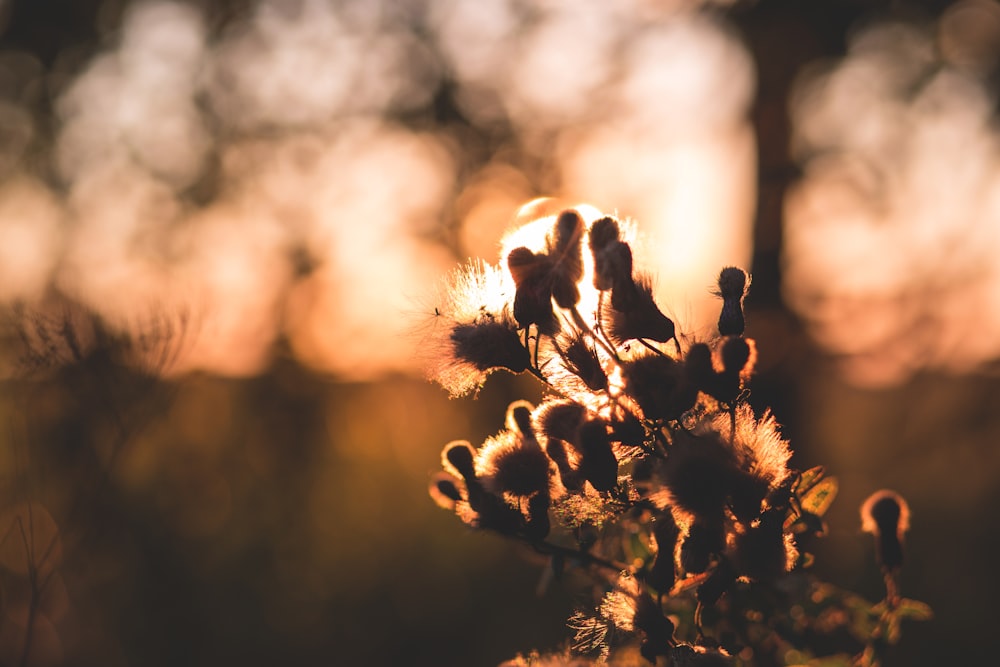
x=646 y=467
x=112 y=385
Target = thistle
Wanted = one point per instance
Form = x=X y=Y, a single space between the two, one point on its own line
x=644 y=465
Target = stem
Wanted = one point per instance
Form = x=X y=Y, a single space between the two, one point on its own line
x=584 y=556
x=583 y=326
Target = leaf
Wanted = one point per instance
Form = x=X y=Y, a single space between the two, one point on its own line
x=819 y=497
x=805 y=522
x=808 y=479
x=805 y=560
x=914 y=609
x=636 y=547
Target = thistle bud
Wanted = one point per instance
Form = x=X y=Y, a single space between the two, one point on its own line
x=582 y=361
x=556 y=451
x=538 y=517
x=510 y=463
x=533 y=298
x=599 y=465
x=658 y=630
x=519 y=418
x=656 y=384
x=661 y=574
x=633 y=314
x=560 y=419
x=612 y=258
x=461 y=456
x=565 y=251
x=733 y=284
x=444 y=490
x=490 y=345
x=886 y=515
x=736 y=353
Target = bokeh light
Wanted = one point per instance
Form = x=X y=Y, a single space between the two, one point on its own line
x=892 y=235
x=222 y=228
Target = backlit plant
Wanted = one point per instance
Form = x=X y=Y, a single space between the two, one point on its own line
x=645 y=466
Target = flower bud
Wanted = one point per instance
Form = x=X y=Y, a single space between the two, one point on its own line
x=565 y=251
x=490 y=345
x=599 y=465
x=582 y=361
x=533 y=298
x=612 y=257
x=633 y=314
x=733 y=283
x=661 y=574
x=444 y=490
x=519 y=418
x=461 y=456
x=886 y=515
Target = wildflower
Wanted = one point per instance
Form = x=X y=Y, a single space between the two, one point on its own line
x=762 y=455
x=732 y=288
x=559 y=419
x=633 y=442
x=886 y=515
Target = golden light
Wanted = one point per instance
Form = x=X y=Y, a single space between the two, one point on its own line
x=891 y=237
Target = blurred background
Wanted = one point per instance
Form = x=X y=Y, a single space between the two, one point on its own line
x=222 y=225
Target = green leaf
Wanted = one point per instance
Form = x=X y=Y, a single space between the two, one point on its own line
x=819 y=497
x=914 y=609
x=808 y=479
